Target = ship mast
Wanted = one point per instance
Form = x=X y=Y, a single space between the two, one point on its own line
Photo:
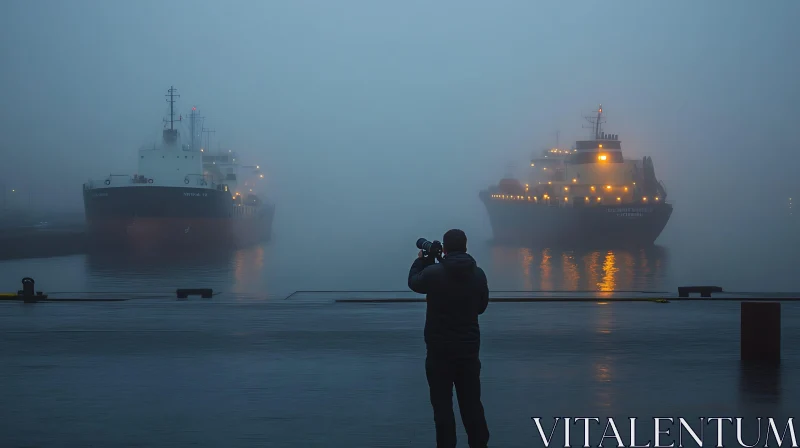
x=597 y=122
x=170 y=135
x=171 y=102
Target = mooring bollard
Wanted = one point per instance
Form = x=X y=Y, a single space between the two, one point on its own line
x=761 y=332
x=27 y=287
x=205 y=293
x=28 y=294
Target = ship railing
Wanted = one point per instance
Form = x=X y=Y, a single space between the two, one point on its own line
x=116 y=180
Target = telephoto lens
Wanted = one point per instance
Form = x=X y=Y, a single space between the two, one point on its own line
x=424 y=244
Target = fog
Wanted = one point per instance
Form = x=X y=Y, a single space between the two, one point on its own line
x=374 y=117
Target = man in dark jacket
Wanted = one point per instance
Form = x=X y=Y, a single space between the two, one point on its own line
x=457 y=292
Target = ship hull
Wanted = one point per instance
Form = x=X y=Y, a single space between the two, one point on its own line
x=172 y=217
x=530 y=223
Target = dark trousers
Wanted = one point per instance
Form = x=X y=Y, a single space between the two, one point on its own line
x=465 y=373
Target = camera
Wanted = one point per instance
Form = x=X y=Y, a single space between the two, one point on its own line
x=430 y=249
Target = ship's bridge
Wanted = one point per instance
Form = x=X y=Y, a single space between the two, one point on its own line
x=606 y=149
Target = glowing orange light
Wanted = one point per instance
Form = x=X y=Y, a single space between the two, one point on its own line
x=601 y=145
x=574 y=180
x=602 y=158
x=608 y=187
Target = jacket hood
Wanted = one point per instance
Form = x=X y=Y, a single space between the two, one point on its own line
x=459 y=263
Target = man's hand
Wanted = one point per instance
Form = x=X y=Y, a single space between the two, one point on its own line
x=419 y=255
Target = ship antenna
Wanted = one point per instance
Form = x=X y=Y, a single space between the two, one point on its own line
x=171 y=102
x=597 y=122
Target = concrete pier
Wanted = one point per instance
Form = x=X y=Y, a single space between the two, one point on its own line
x=245 y=372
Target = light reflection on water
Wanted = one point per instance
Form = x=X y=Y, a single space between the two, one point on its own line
x=570 y=270
x=278 y=268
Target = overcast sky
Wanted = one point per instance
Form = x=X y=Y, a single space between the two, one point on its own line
x=377 y=108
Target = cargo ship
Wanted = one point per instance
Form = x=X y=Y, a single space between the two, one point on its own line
x=588 y=195
x=182 y=195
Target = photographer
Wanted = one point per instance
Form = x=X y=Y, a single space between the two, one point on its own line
x=457 y=293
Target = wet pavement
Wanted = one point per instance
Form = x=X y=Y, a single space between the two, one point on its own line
x=308 y=372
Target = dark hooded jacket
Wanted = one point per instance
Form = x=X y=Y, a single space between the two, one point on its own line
x=457 y=293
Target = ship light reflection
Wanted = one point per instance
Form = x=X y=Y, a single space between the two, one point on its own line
x=571 y=273
x=544 y=270
x=527 y=261
x=608 y=282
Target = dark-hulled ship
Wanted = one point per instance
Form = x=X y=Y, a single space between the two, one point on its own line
x=589 y=195
x=182 y=195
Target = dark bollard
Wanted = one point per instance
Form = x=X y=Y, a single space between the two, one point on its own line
x=205 y=293
x=27 y=287
x=761 y=332
x=704 y=291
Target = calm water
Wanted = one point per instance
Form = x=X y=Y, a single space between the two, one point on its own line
x=292 y=373
x=361 y=261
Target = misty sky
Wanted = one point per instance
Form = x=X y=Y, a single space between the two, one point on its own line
x=401 y=108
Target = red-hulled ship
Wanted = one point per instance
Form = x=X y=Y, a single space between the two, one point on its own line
x=181 y=195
